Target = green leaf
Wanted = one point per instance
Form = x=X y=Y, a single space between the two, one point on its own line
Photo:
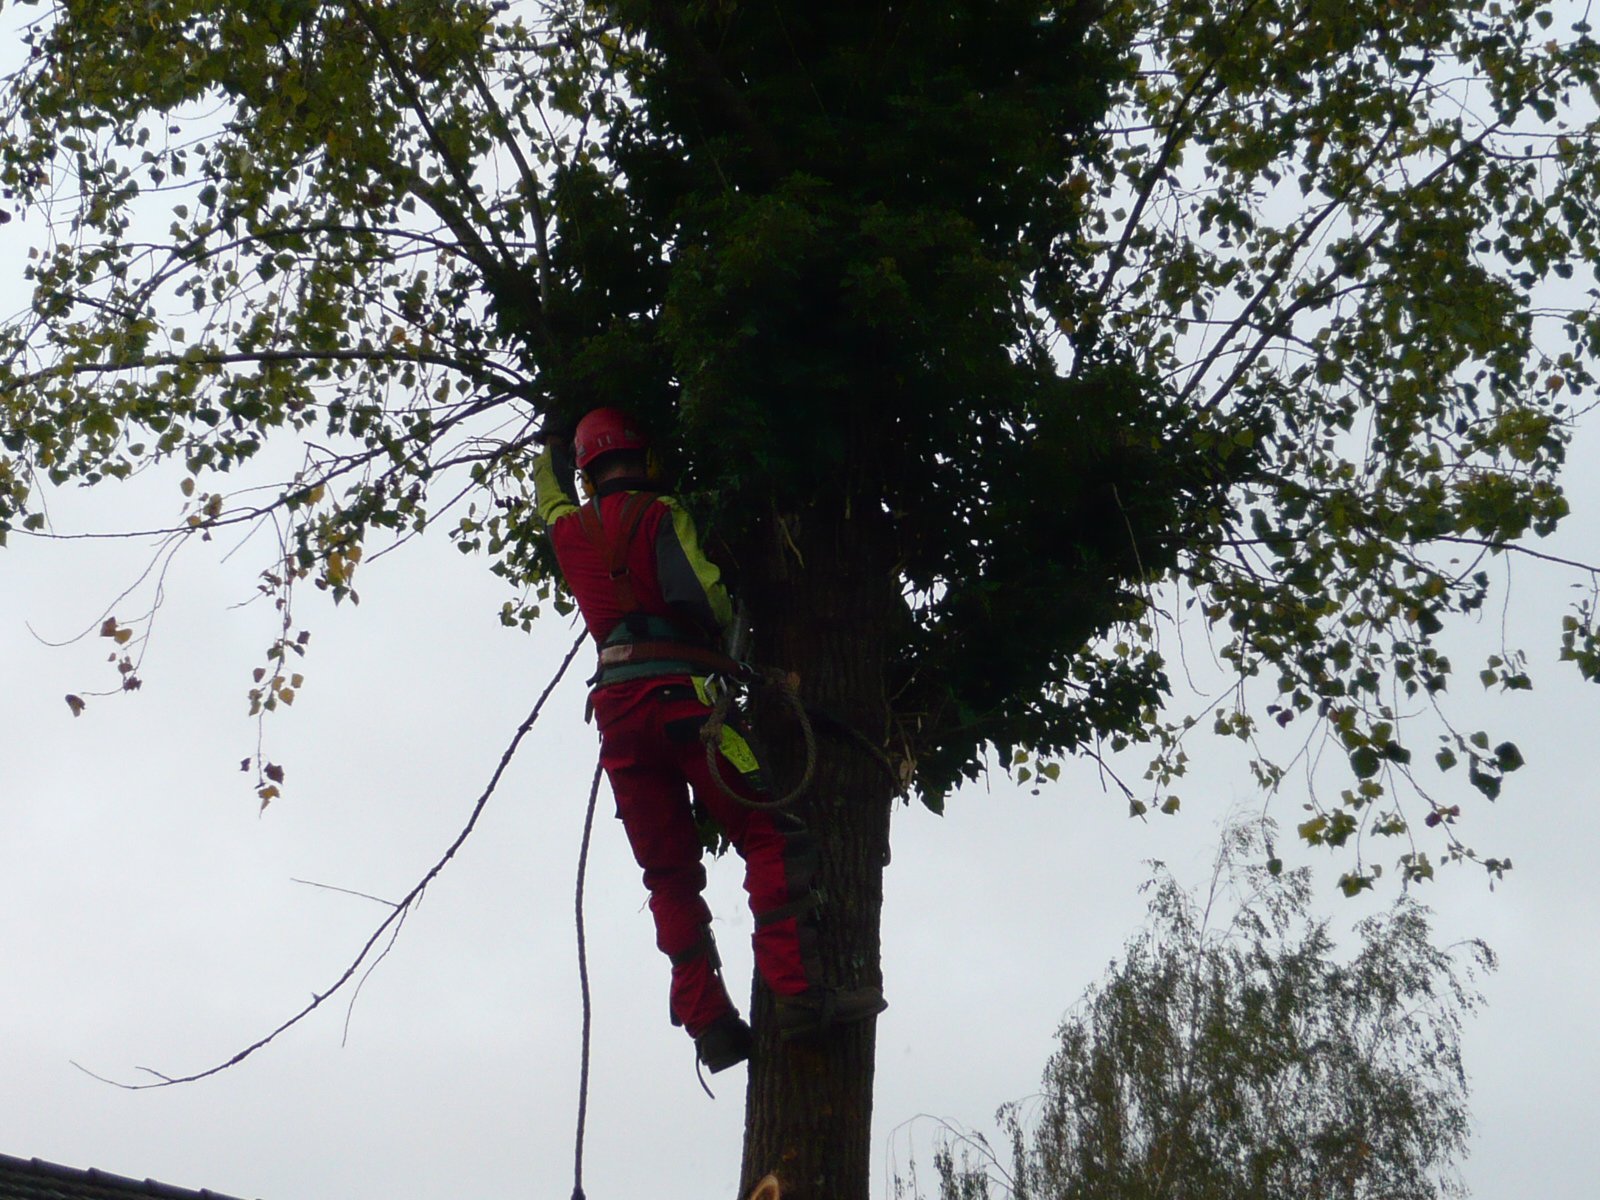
x=1507 y=757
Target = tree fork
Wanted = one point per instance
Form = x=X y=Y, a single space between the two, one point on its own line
x=824 y=604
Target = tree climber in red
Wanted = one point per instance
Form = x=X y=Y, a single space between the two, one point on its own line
x=657 y=608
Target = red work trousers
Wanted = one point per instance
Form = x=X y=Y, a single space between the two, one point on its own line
x=652 y=752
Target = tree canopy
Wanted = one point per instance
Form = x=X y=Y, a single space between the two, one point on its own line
x=1071 y=302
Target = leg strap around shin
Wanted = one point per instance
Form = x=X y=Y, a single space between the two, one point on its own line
x=705 y=946
x=805 y=904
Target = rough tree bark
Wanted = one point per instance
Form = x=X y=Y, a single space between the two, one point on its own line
x=822 y=603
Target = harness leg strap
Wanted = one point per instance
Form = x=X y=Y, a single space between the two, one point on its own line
x=704 y=947
x=783 y=912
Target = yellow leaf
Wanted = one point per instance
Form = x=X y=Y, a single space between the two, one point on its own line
x=122 y=635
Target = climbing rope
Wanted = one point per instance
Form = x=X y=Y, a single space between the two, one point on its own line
x=583 y=981
x=711 y=735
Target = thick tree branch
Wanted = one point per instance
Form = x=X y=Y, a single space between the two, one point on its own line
x=530 y=180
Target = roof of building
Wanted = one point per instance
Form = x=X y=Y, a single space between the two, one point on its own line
x=32 y=1179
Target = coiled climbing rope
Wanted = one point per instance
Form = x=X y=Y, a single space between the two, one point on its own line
x=711 y=734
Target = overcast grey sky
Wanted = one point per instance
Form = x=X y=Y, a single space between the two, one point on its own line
x=148 y=915
x=150 y=918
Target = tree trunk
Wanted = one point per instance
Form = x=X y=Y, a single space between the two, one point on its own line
x=822 y=602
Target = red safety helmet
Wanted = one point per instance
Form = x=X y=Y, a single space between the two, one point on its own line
x=602 y=431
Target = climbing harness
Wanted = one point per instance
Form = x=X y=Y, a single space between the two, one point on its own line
x=615 y=549
x=644 y=644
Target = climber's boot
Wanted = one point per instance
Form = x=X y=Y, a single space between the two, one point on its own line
x=723 y=1043
x=817 y=1010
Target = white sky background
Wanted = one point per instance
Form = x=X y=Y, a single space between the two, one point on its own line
x=147 y=915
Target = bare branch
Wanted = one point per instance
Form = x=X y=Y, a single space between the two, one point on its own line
x=1489 y=544
x=1516 y=548
x=530 y=180
x=400 y=910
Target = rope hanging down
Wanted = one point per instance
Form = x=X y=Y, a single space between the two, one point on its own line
x=583 y=982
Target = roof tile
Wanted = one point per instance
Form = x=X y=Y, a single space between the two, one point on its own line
x=34 y=1179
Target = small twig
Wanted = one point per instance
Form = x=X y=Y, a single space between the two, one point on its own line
x=350 y=1009
x=328 y=887
x=1491 y=545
